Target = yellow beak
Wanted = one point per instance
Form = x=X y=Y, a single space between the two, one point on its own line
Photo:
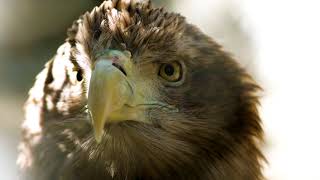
x=109 y=92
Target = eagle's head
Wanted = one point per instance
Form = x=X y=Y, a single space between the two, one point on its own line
x=138 y=93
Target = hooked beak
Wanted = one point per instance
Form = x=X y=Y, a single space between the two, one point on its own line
x=109 y=91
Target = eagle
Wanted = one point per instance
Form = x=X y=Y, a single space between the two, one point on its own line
x=137 y=93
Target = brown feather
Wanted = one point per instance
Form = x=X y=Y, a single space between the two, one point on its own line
x=214 y=135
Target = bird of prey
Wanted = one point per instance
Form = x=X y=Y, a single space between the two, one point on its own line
x=136 y=92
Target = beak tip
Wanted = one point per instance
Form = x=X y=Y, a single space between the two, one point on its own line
x=98 y=136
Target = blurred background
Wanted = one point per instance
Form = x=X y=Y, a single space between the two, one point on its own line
x=276 y=40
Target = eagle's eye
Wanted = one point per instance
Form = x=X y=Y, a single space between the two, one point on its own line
x=171 y=72
x=79 y=75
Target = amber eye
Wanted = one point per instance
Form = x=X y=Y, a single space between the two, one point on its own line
x=171 y=71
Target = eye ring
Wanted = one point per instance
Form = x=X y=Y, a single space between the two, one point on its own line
x=171 y=72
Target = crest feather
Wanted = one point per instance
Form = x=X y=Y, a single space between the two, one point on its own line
x=136 y=28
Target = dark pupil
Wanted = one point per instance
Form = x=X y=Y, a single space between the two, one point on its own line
x=169 y=70
x=79 y=75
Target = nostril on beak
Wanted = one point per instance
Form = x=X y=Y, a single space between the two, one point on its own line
x=120 y=68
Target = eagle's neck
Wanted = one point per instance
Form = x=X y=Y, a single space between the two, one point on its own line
x=69 y=153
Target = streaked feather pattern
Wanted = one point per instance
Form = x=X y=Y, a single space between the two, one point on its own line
x=215 y=135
